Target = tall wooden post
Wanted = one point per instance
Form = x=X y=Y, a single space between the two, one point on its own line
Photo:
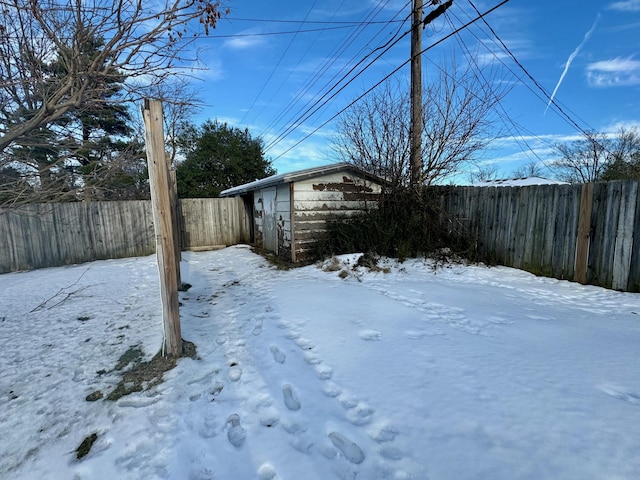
x=415 y=149
x=165 y=246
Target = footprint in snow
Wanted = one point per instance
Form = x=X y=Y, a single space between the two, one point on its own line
x=290 y=398
x=303 y=343
x=278 y=355
x=349 y=449
x=215 y=390
x=324 y=372
x=267 y=472
x=236 y=434
x=331 y=390
x=257 y=330
x=361 y=414
x=370 y=335
x=210 y=427
x=235 y=372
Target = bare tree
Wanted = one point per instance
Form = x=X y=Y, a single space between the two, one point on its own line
x=531 y=169
x=587 y=159
x=484 y=173
x=457 y=119
x=143 y=41
x=374 y=133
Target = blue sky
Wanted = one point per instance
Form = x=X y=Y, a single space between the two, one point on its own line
x=587 y=52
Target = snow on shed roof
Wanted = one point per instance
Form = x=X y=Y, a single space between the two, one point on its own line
x=294 y=176
x=518 y=182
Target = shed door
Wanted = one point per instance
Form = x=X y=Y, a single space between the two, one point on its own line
x=269 y=218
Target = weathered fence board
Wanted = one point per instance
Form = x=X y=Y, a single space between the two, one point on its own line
x=633 y=283
x=47 y=235
x=588 y=233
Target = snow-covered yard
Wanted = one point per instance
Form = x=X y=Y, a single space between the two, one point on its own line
x=460 y=373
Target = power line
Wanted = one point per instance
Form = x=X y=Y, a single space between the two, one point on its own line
x=324 y=99
x=535 y=82
x=511 y=125
x=310 y=22
x=480 y=16
x=276 y=65
x=311 y=44
x=329 y=61
x=324 y=68
x=270 y=34
x=331 y=84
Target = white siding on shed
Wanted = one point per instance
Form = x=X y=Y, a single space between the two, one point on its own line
x=326 y=197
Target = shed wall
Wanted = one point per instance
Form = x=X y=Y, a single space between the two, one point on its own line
x=319 y=199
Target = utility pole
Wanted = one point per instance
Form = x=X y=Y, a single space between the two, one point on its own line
x=417 y=25
x=415 y=150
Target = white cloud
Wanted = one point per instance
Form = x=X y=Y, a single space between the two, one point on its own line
x=245 y=39
x=626 y=6
x=617 y=72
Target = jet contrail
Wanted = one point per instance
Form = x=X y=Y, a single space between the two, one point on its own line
x=571 y=57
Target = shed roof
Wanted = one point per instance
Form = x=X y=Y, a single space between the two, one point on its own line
x=297 y=175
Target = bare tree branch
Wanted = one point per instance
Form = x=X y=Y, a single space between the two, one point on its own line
x=457 y=123
x=144 y=41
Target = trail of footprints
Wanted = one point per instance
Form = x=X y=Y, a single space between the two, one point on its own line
x=357 y=413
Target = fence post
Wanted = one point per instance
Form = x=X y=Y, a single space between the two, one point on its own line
x=165 y=247
x=584 y=233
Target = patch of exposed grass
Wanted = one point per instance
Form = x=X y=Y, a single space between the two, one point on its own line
x=145 y=375
x=84 y=448
x=133 y=355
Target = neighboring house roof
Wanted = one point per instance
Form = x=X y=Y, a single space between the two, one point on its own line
x=298 y=175
x=518 y=182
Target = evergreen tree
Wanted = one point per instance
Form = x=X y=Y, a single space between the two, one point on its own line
x=220 y=157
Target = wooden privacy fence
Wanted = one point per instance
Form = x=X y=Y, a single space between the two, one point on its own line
x=48 y=235
x=587 y=233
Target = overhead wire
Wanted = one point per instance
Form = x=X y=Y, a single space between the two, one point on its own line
x=345 y=43
x=336 y=89
x=333 y=82
x=276 y=65
x=309 y=46
x=510 y=124
x=305 y=22
x=291 y=32
x=552 y=101
x=327 y=63
x=389 y=75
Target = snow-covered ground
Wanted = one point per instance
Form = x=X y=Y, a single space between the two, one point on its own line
x=460 y=373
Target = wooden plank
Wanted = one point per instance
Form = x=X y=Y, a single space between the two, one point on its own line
x=598 y=218
x=562 y=218
x=529 y=263
x=521 y=227
x=535 y=235
x=551 y=194
x=507 y=225
x=612 y=216
x=623 y=246
x=633 y=284
x=584 y=233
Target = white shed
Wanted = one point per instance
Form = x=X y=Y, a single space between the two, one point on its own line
x=290 y=211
